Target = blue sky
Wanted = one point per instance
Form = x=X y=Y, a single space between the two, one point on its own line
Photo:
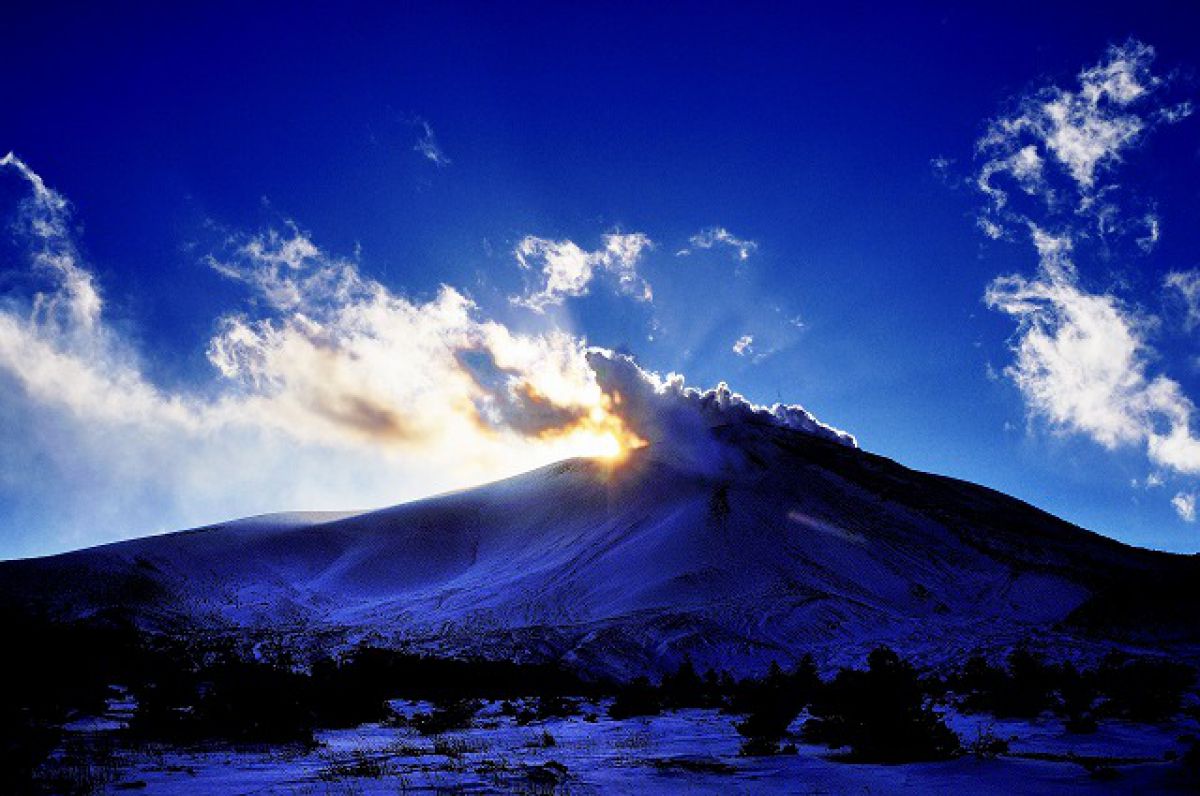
x=421 y=146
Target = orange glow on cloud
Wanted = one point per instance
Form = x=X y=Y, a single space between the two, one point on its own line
x=603 y=433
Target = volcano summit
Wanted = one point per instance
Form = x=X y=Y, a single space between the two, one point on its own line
x=738 y=536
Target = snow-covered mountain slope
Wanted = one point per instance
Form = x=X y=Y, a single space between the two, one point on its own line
x=791 y=543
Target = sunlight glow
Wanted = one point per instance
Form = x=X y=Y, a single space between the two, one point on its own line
x=600 y=433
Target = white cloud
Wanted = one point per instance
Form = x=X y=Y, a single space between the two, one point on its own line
x=941 y=167
x=1187 y=285
x=744 y=345
x=1148 y=241
x=428 y=146
x=566 y=270
x=329 y=391
x=337 y=393
x=1058 y=143
x=1151 y=481
x=719 y=236
x=339 y=354
x=76 y=301
x=1184 y=504
x=1082 y=362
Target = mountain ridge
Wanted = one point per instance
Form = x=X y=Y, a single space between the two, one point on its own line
x=784 y=543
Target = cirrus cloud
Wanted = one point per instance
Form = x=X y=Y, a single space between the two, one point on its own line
x=428 y=147
x=1184 y=504
x=1186 y=286
x=1059 y=144
x=719 y=236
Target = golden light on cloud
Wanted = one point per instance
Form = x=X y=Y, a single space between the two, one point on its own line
x=552 y=381
x=329 y=391
x=602 y=433
x=582 y=422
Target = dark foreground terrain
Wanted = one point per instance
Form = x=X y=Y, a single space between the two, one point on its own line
x=177 y=718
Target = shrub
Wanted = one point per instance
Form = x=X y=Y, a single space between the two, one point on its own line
x=1027 y=690
x=987 y=745
x=771 y=705
x=358 y=764
x=880 y=714
x=1077 y=690
x=454 y=748
x=51 y=670
x=683 y=689
x=543 y=740
x=541 y=709
x=234 y=700
x=354 y=690
x=1145 y=689
x=555 y=707
x=24 y=745
x=636 y=698
x=1190 y=760
x=1024 y=688
x=765 y=728
x=978 y=681
x=547 y=778
x=456 y=715
x=760 y=746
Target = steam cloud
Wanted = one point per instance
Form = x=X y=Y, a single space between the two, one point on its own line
x=663 y=411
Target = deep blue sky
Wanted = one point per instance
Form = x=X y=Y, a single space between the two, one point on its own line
x=808 y=130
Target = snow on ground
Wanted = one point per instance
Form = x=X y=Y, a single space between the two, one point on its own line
x=687 y=751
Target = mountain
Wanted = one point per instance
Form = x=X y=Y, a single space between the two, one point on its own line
x=785 y=542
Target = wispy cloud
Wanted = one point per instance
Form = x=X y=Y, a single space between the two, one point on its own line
x=1151 y=481
x=744 y=345
x=1184 y=504
x=719 y=236
x=1186 y=286
x=1149 y=239
x=565 y=270
x=1083 y=360
x=1059 y=145
x=75 y=304
x=428 y=145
